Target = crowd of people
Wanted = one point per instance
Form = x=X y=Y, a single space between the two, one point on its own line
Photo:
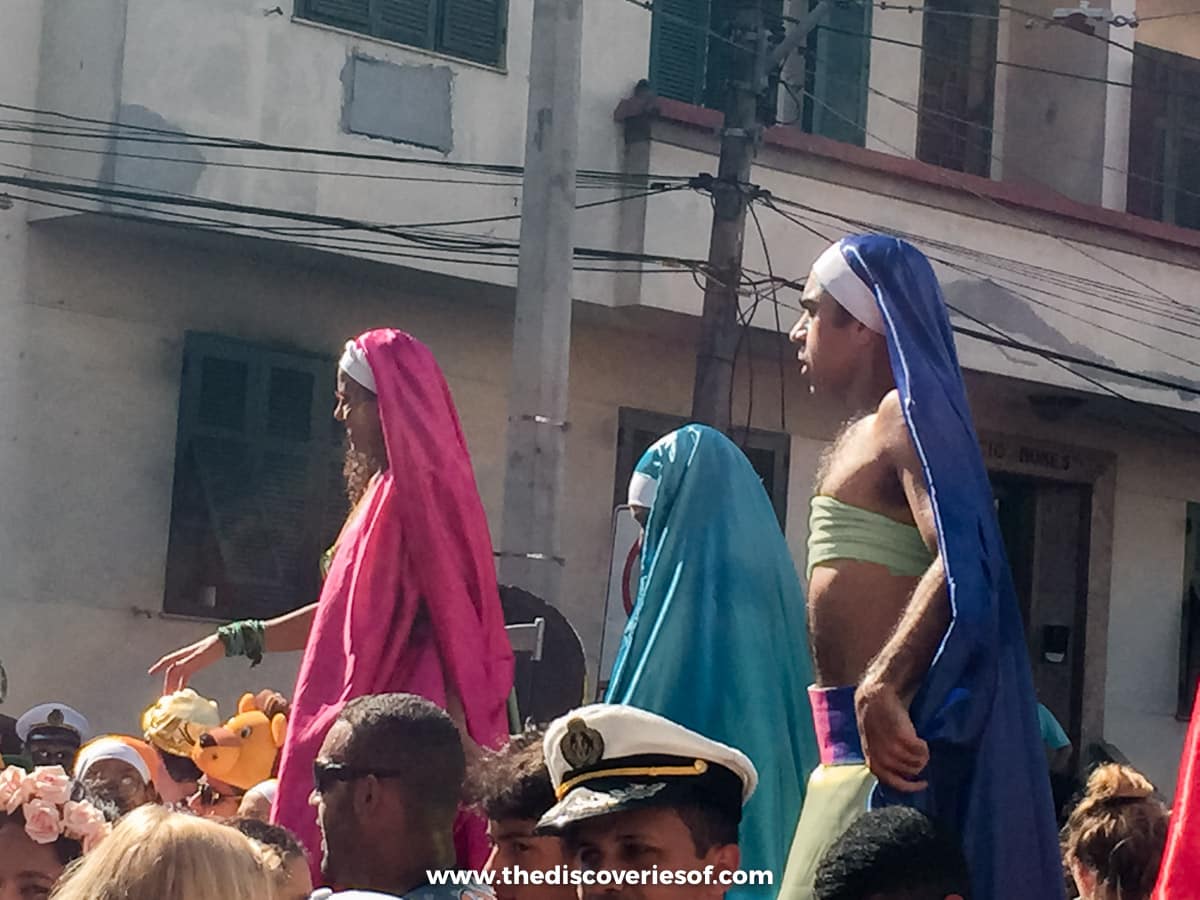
x=605 y=788
x=870 y=733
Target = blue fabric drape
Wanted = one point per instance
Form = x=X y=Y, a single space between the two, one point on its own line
x=976 y=708
x=717 y=640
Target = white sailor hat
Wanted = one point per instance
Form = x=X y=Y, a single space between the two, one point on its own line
x=52 y=721
x=607 y=758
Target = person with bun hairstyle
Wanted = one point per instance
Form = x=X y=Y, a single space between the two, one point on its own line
x=1113 y=842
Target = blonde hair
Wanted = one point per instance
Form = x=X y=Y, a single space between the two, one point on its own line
x=155 y=854
x=1118 y=831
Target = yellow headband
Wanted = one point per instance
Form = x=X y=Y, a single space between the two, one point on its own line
x=698 y=767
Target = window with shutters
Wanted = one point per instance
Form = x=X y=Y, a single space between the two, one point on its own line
x=692 y=60
x=258 y=492
x=1164 y=137
x=837 y=67
x=692 y=55
x=958 y=85
x=470 y=29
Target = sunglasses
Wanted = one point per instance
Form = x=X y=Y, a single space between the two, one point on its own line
x=327 y=774
x=53 y=757
x=208 y=797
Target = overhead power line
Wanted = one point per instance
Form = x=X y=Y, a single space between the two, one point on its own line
x=422 y=237
x=1024 y=292
x=102 y=130
x=999 y=337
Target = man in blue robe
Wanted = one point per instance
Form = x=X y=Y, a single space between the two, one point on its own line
x=923 y=692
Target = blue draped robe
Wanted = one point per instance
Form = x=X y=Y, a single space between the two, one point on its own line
x=976 y=707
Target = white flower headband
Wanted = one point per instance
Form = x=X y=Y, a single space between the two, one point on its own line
x=44 y=798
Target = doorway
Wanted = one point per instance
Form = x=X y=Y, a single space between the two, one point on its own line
x=1046 y=526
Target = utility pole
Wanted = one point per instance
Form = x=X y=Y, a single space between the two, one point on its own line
x=711 y=396
x=537 y=408
x=752 y=60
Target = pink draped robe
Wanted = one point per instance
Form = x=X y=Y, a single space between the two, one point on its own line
x=410 y=601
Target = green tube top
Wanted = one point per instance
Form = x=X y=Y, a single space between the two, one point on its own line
x=837 y=530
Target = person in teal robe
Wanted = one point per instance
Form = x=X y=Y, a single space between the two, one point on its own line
x=717 y=640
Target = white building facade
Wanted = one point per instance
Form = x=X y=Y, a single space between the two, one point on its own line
x=167 y=368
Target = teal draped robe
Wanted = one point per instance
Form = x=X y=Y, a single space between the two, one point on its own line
x=717 y=640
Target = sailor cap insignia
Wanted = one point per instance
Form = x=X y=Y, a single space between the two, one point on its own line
x=581 y=746
x=56 y=717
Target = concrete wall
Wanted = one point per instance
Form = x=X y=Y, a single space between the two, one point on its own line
x=1146 y=613
x=18 y=74
x=1179 y=34
x=895 y=74
x=1053 y=127
x=225 y=69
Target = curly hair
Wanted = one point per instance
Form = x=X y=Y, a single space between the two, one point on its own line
x=357 y=470
x=512 y=782
x=895 y=851
x=1118 y=831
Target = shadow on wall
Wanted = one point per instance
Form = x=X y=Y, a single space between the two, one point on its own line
x=1015 y=316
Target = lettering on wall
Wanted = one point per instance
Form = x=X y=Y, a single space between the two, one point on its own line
x=998 y=451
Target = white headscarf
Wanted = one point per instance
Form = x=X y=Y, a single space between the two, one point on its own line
x=850 y=291
x=643 y=490
x=110 y=748
x=354 y=364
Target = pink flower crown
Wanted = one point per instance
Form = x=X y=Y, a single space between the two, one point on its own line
x=44 y=798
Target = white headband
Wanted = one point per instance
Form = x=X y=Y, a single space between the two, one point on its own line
x=854 y=296
x=354 y=363
x=642 y=490
x=110 y=748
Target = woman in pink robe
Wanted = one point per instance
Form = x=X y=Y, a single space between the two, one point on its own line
x=409 y=602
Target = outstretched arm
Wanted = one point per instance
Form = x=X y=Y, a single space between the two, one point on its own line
x=290 y=631
x=894 y=752
x=286 y=633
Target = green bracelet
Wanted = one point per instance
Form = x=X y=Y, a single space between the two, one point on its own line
x=245 y=638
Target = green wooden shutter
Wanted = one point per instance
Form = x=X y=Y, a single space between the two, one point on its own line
x=722 y=56
x=840 y=70
x=1149 y=113
x=679 y=48
x=252 y=471
x=405 y=21
x=958 y=76
x=473 y=29
x=352 y=14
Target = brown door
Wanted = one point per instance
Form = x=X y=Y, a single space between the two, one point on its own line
x=1047 y=532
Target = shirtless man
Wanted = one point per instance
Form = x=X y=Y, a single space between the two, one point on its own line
x=879 y=603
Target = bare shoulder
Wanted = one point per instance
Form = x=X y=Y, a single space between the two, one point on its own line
x=892 y=434
x=897 y=446
x=891 y=429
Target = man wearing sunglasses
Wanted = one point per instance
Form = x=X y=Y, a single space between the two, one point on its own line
x=387 y=784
